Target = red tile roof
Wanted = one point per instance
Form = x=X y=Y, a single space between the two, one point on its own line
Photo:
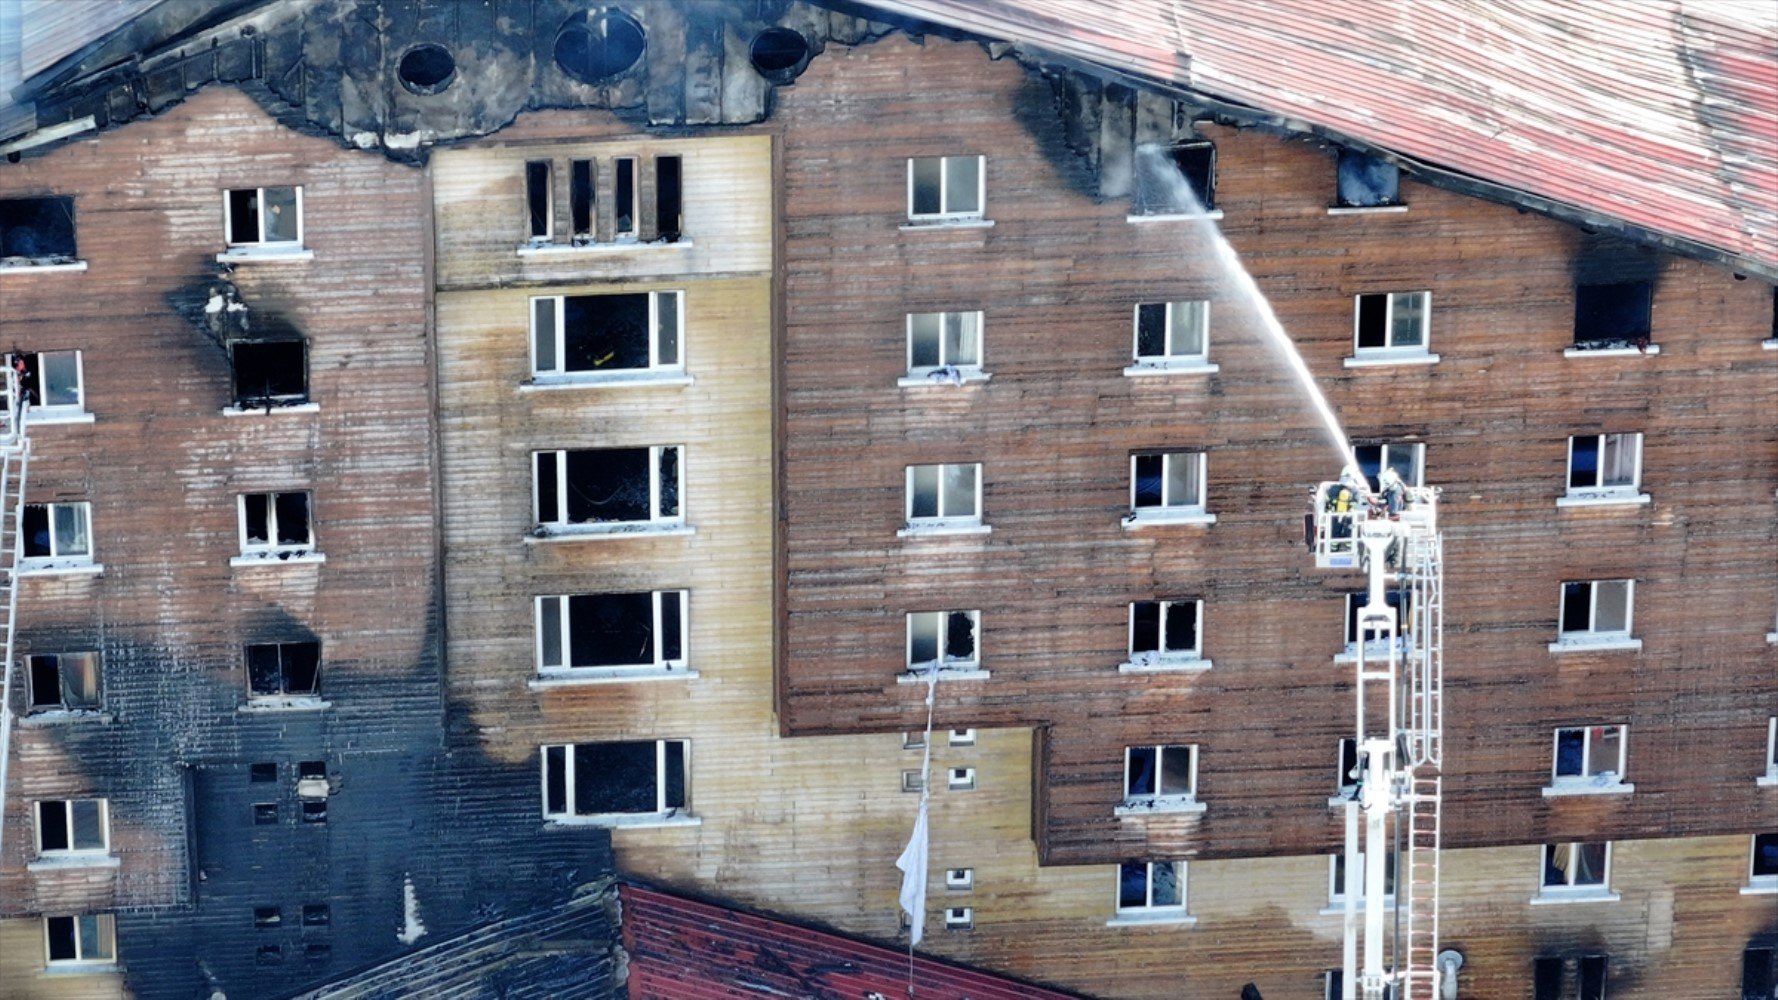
x=683 y=949
x=1662 y=114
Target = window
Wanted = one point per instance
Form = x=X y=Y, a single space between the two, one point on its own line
x=1376 y=640
x=1589 y=758
x=283 y=669
x=1364 y=181
x=1577 y=870
x=1150 y=888
x=270 y=373
x=944 y=497
x=942 y=188
x=276 y=525
x=316 y=915
x=582 y=201
x=648 y=778
x=625 y=201
x=943 y=640
x=962 y=779
x=1160 y=778
x=1771 y=775
x=51 y=382
x=264 y=771
x=66 y=682
x=1336 y=879
x=668 y=198
x=1612 y=317
x=621 y=218
x=88 y=939
x=314 y=811
x=268 y=917
x=606 y=634
x=1408 y=461
x=602 y=490
x=913 y=781
x=914 y=740
x=539 y=210
x=1167 y=486
x=57 y=535
x=1762 y=872
x=71 y=827
x=1166 y=634
x=269 y=954
x=1759 y=972
x=1347 y=773
x=267 y=216
x=1172 y=336
x=1604 y=466
x=1596 y=613
x=265 y=814
x=578 y=335
x=1549 y=978
x=962 y=737
x=36 y=231
x=1177 y=180
x=945 y=347
x=959 y=918
x=1392 y=323
x=960 y=879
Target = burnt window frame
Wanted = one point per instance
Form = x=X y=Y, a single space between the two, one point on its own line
x=39 y=707
x=273 y=548
x=283 y=693
x=1637 y=341
x=43 y=261
x=1357 y=159
x=1149 y=165
x=661 y=603
x=664 y=809
x=532 y=190
x=658 y=345
x=620 y=234
x=263 y=245
x=244 y=403
x=73 y=852
x=656 y=521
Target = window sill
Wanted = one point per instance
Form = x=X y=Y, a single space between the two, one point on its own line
x=961 y=222
x=919 y=676
x=1164 y=805
x=1336 y=907
x=1602 y=498
x=956 y=530
x=619 y=529
x=1768 y=780
x=1610 y=352
x=1770 y=345
x=1366 y=209
x=1164 y=665
x=296 y=557
x=1762 y=886
x=1142 y=369
x=1386 y=359
x=1585 y=786
x=598 y=249
x=1149 y=517
x=255 y=411
x=1555 y=897
x=26 y=265
x=626 y=821
x=72 y=861
x=1208 y=215
x=582 y=676
x=59 y=567
x=1772 y=638
x=284 y=705
x=41 y=416
x=261 y=255
x=605 y=380
x=65 y=717
x=1339 y=801
x=82 y=969
x=1376 y=649
x=1601 y=644
x=942 y=376
x=1179 y=919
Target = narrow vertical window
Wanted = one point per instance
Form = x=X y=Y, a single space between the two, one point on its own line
x=539 y=207
x=668 y=198
x=580 y=200
x=625 y=197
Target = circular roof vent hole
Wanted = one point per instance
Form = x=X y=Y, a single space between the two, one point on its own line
x=596 y=48
x=427 y=68
x=779 y=54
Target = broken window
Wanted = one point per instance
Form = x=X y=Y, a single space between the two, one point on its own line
x=1178 y=180
x=649 y=777
x=941 y=496
x=1763 y=866
x=943 y=640
x=612 y=632
x=1171 y=481
x=539 y=207
x=1576 y=867
x=63 y=681
x=1356 y=602
x=1604 y=463
x=1336 y=877
x=1596 y=609
x=1157 y=774
x=579 y=334
x=267 y=917
x=1346 y=778
x=86 y=939
x=1589 y=755
x=73 y=826
x=962 y=779
x=270 y=372
x=941 y=342
x=1165 y=632
x=609 y=486
x=1613 y=316
x=284 y=669
x=276 y=524
x=1392 y=322
x=261 y=216
x=582 y=201
x=1759 y=973
x=57 y=533
x=36 y=231
x=1365 y=181
x=624 y=198
x=1172 y=332
x=668 y=198
x=1149 y=886
x=50 y=382
x=945 y=187
x=1408 y=461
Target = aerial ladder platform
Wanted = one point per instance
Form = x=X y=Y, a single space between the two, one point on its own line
x=15 y=454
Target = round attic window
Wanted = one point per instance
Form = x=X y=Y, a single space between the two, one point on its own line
x=595 y=48
x=427 y=68
x=779 y=54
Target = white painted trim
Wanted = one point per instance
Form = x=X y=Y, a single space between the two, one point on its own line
x=1591 y=894
x=1768 y=780
x=1610 y=352
x=1385 y=360
x=623 y=821
x=965 y=222
x=614 y=529
x=1149 y=517
x=26 y=568
x=919 y=676
x=303 y=557
x=1160 y=805
x=81 y=969
x=1602 y=498
x=1772 y=638
x=257 y=255
x=1761 y=886
x=30 y=268
x=38 y=418
x=257 y=411
x=596 y=249
x=1595 y=644
x=72 y=860
x=1770 y=345
x=1337 y=908
x=1150 y=368
x=944 y=530
x=582 y=676
x=284 y=703
x=965 y=376
x=1585 y=786
x=1211 y=215
x=1163 y=919
x=1366 y=209
x=1195 y=665
x=638 y=378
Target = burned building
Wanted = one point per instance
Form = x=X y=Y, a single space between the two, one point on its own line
x=484 y=450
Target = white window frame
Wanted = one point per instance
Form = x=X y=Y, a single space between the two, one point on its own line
x=944 y=664
x=67 y=807
x=272 y=549
x=1167 y=512
x=944 y=190
x=662 y=811
x=1570 y=891
x=107 y=927
x=1589 y=781
x=1384 y=448
x=1336 y=898
x=959 y=918
x=655 y=521
x=961 y=779
x=1158 y=801
x=1149 y=912
x=263 y=245
x=1758 y=884
x=947 y=371
x=660 y=665
x=960 y=879
x=46 y=413
x=1770 y=778
x=1164 y=659
x=1589 y=637
x=559 y=340
x=1147 y=364
x=1390 y=352
x=961 y=738
x=946 y=521
x=1581 y=496
x=56 y=561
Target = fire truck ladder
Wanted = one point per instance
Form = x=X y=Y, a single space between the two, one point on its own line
x=15 y=454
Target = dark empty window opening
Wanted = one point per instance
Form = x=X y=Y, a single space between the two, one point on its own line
x=636 y=631
x=314 y=810
x=1614 y=316
x=537 y=199
x=269 y=954
x=625 y=198
x=1177 y=180
x=265 y=814
x=779 y=54
x=1365 y=181
x=595 y=48
x=1765 y=856
x=36 y=231
x=605 y=333
x=1397 y=599
x=1759 y=972
x=1546 y=978
x=312 y=769
x=63 y=681
x=276 y=523
x=316 y=915
x=581 y=200
x=284 y=669
x=594 y=779
x=607 y=486
x=317 y=951
x=71 y=825
x=267 y=917
x=263 y=772
x=667 y=198
x=427 y=68
x=270 y=373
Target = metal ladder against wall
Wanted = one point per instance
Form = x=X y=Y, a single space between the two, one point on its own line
x=1423 y=805
x=15 y=456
